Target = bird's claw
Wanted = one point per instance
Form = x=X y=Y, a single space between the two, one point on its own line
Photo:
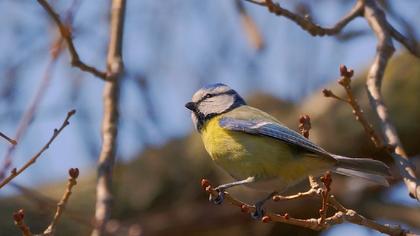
x=258 y=213
x=220 y=197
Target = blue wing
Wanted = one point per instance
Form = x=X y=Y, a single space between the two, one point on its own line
x=273 y=130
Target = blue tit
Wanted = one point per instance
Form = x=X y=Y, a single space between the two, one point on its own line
x=260 y=152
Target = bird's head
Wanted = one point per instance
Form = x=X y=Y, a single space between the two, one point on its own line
x=212 y=100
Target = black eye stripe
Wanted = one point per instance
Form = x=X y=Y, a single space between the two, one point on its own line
x=209 y=95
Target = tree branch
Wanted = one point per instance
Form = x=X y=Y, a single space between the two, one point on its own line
x=10 y=140
x=410 y=44
x=50 y=231
x=252 y=32
x=316 y=30
x=66 y=33
x=345 y=82
x=16 y=172
x=72 y=181
x=384 y=50
x=20 y=223
x=342 y=215
x=308 y=25
x=110 y=118
x=30 y=112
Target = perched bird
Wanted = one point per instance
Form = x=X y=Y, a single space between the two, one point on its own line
x=261 y=153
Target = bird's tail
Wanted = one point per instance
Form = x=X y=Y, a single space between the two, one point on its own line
x=372 y=170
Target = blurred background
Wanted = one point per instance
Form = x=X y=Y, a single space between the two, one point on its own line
x=171 y=48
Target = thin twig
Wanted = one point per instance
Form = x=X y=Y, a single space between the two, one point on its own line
x=16 y=172
x=10 y=140
x=339 y=217
x=310 y=193
x=110 y=118
x=45 y=203
x=20 y=223
x=412 y=46
x=330 y=94
x=252 y=32
x=316 y=30
x=345 y=82
x=30 y=112
x=72 y=181
x=325 y=194
x=66 y=33
x=306 y=24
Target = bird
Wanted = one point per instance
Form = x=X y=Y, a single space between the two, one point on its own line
x=259 y=152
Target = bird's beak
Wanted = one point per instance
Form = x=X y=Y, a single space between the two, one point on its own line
x=191 y=106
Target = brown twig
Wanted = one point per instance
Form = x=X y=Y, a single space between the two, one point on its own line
x=316 y=30
x=306 y=24
x=30 y=112
x=66 y=33
x=411 y=45
x=10 y=140
x=20 y=223
x=15 y=172
x=252 y=32
x=72 y=181
x=376 y=19
x=45 y=203
x=384 y=33
x=325 y=194
x=343 y=214
x=110 y=118
x=345 y=82
x=304 y=128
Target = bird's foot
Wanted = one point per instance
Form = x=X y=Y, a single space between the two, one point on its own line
x=220 y=197
x=258 y=213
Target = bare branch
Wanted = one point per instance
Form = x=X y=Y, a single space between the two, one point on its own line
x=252 y=32
x=20 y=223
x=67 y=35
x=345 y=82
x=379 y=25
x=10 y=140
x=72 y=181
x=410 y=44
x=308 y=25
x=30 y=112
x=16 y=172
x=342 y=215
x=45 y=203
x=110 y=118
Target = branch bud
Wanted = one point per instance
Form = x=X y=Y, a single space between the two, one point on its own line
x=19 y=215
x=74 y=173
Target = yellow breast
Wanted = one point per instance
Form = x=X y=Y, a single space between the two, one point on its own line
x=242 y=154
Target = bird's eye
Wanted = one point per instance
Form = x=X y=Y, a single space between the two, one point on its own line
x=208 y=95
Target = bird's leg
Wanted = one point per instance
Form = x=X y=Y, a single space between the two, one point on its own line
x=259 y=212
x=221 y=189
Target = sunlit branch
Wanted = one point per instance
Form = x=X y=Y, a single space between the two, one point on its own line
x=15 y=172
x=72 y=181
x=10 y=140
x=305 y=23
x=376 y=19
x=66 y=33
x=110 y=118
